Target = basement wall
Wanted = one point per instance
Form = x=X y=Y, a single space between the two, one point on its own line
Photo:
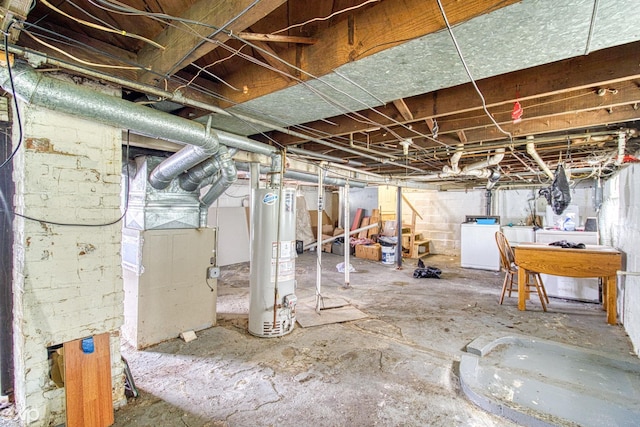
x=67 y=280
x=620 y=227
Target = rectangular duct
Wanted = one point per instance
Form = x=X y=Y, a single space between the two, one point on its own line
x=153 y=209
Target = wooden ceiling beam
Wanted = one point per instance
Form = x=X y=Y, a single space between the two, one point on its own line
x=370 y=34
x=559 y=123
x=271 y=57
x=405 y=112
x=275 y=38
x=185 y=45
x=598 y=69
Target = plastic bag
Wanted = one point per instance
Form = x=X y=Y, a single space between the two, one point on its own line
x=340 y=268
x=559 y=194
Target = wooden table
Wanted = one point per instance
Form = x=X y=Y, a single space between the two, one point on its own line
x=593 y=261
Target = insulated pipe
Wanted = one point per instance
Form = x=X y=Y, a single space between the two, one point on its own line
x=246 y=144
x=455 y=159
x=531 y=149
x=622 y=143
x=228 y=175
x=303 y=176
x=491 y=161
x=53 y=94
x=201 y=174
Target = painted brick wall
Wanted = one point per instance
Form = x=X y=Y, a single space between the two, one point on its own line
x=67 y=280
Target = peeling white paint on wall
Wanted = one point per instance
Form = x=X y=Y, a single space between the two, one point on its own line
x=67 y=280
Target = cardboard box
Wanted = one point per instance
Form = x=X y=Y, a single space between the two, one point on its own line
x=372 y=252
x=327 y=229
x=327 y=246
x=313 y=214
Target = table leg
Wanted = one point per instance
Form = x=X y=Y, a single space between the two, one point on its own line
x=522 y=280
x=611 y=299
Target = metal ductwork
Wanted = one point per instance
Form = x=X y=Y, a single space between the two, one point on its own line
x=39 y=89
x=228 y=175
x=302 y=176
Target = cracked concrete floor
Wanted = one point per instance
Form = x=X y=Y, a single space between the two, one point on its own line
x=399 y=366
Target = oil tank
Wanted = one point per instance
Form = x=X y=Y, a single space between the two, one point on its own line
x=272 y=307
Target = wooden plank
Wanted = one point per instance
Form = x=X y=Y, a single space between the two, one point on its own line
x=88 y=383
x=183 y=48
x=410 y=18
x=404 y=111
x=364 y=233
x=375 y=219
x=598 y=69
x=276 y=38
x=355 y=224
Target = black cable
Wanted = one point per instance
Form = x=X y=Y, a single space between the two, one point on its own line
x=126 y=207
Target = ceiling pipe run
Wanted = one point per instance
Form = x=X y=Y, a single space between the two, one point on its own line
x=303 y=176
x=66 y=97
x=622 y=144
x=321 y=156
x=478 y=170
x=531 y=150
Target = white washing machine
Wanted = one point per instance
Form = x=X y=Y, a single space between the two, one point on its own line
x=478 y=248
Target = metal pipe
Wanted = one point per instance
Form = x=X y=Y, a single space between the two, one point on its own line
x=370 y=150
x=318 y=237
x=399 y=228
x=228 y=175
x=321 y=156
x=53 y=94
x=346 y=246
x=331 y=239
x=303 y=176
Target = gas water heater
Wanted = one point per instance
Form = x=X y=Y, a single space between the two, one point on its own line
x=272 y=307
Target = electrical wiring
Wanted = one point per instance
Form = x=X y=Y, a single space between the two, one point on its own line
x=75 y=58
x=101 y=27
x=348 y=9
x=592 y=26
x=325 y=97
x=330 y=101
x=51 y=36
x=14 y=97
x=86 y=12
x=466 y=68
x=260 y=63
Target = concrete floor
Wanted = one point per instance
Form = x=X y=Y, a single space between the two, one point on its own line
x=398 y=366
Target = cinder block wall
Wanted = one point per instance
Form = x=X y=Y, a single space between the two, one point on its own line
x=442 y=213
x=620 y=227
x=67 y=279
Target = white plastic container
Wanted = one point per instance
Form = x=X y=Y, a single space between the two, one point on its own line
x=388 y=255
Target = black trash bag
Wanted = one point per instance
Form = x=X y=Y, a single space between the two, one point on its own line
x=565 y=244
x=427 y=273
x=558 y=195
